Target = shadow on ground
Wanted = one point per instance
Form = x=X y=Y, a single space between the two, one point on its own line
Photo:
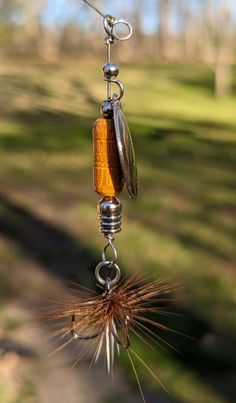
x=59 y=253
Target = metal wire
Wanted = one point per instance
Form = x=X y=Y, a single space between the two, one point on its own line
x=113 y=249
x=95 y=8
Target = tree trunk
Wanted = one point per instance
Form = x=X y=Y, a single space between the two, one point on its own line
x=223 y=51
x=164 y=29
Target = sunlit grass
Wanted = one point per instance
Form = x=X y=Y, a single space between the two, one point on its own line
x=183 y=223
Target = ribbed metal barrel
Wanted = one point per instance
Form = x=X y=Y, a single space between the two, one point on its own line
x=109 y=212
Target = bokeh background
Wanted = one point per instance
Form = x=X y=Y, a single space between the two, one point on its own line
x=180 y=80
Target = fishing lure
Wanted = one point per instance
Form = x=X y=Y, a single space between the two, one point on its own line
x=107 y=320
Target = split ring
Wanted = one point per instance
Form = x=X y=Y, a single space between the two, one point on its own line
x=125 y=37
x=110 y=265
x=110 y=23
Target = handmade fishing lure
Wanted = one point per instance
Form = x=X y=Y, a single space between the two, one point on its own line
x=106 y=320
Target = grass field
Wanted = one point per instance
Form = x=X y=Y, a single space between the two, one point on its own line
x=182 y=225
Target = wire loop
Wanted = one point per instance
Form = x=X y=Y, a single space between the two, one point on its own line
x=112 y=246
x=121 y=88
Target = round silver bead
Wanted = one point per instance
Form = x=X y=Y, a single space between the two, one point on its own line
x=109 y=212
x=110 y=70
x=107 y=109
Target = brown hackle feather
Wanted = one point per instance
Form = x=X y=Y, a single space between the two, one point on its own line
x=105 y=322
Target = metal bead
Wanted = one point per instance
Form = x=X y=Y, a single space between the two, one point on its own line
x=107 y=109
x=110 y=70
x=109 y=212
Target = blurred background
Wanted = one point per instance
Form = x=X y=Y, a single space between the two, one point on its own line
x=180 y=81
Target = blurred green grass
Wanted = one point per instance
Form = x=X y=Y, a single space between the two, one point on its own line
x=183 y=222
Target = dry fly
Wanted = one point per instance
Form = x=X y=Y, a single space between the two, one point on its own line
x=107 y=321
